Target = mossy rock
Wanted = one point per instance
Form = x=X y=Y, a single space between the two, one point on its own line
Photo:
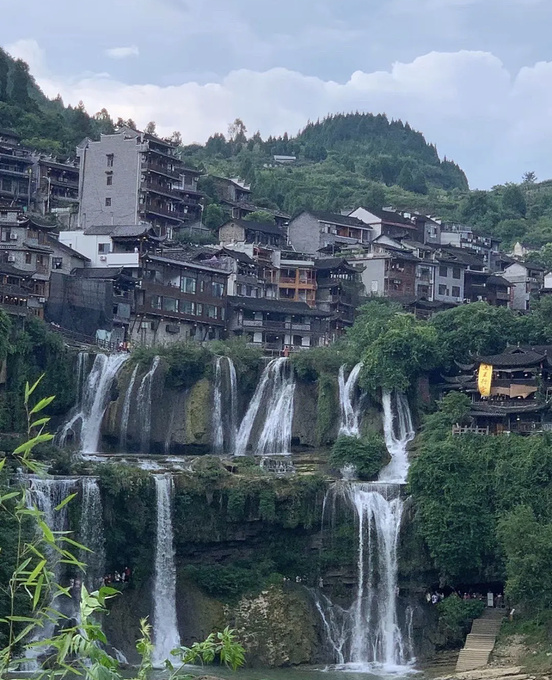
x=198 y=413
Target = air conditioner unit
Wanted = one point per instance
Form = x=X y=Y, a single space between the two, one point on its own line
x=11 y=258
x=13 y=237
x=103 y=258
x=42 y=300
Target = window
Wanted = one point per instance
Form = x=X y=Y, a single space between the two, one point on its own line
x=199 y=309
x=170 y=304
x=222 y=314
x=39 y=259
x=107 y=202
x=187 y=307
x=218 y=289
x=442 y=289
x=211 y=311
x=201 y=286
x=109 y=180
x=188 y=284
x=456 y=291
x=28 y=258
x=456 y=272
x=104 y=248
x=156 y=301
x=109 y=158
x=443 y=271
x=57 y=263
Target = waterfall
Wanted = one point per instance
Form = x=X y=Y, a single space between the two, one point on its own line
x=126 y=411
x=82 y=366
x=398 y=432
x=46 y=494
x=225 y=411
x=349 y=411
x=90 y=413
x=165 y=627
x=92 y=532
x=369 y=633
x=143 y=400
x=275 y=392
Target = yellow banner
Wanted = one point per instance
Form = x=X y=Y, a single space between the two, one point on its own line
x=484 y=379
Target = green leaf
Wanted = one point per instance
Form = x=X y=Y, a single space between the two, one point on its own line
x=65 y=501
x=12 y=494
x=41 y=405
x=36 y=571
x=48 y=535
x=39 y=422
x=30 y=390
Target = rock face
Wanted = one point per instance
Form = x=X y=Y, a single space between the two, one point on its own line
x=278 y=627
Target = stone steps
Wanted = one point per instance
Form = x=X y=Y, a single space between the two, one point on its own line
x=480 y=641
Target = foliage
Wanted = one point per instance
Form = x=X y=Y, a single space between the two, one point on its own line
x=308 y=366
x=326 y=407
x=261 y=216
x=455 y=618
x=367 y=455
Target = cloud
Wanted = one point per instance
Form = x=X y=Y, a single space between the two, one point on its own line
x=490 y=121
x=122 y=52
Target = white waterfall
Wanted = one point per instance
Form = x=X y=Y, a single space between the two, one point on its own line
x=275 y=393
x=349 y=410
x=125 y=414
x=92 y=532
x=143 y=401
x=369 y=634
x=399 y=432
x=46 y=494
x=165 y=627
x=225 y=411
x=89 y=415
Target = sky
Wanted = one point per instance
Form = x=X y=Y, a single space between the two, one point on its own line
x=475 y=76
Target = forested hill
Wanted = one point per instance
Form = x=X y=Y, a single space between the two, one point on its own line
x=44 y=124
x=342 y=160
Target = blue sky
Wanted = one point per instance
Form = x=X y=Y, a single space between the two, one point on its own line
x=475 y=76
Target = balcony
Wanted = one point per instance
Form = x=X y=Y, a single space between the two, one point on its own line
x=161 y=169
x=162 y=212
x=252 y=323
x=159 y=188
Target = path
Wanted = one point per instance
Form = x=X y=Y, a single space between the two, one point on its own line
x=481 y=641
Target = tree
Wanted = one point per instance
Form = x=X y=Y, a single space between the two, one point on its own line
x=214 y=216
x=237 y=131
x=150 y=128
x=176 y=138
x=367 y=456
x=529 y=177
x=513 y=201
x=261 y=216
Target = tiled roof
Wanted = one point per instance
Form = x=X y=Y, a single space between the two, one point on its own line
x=335 y=218
x=118 y=230
x=514 y=357
x=263 y=227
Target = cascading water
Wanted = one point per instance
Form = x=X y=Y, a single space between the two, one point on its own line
x=165 y=627
x=350 y=412
x=82 y=367
x=143 y=400
x=94 y=403
x=92 y=532
x=45 y=495
x=398 y=432
x=369 y=634
x=126 y=410
x=275 y=392
x=225 y=411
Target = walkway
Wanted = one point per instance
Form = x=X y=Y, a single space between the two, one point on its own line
x=481 y=641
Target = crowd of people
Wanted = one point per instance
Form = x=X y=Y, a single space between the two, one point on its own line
x=491 y=599
x=122 y=576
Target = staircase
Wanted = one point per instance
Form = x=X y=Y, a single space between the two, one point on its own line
x=481 y=641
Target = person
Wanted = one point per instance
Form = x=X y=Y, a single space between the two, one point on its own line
x=127 y=574
x=434 y=598
x=428 y=597
x=286 y=351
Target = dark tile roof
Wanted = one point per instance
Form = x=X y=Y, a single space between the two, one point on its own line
x=276 y=306
x=263 y=227
x=336 y=218
x=98 y=272
x=119 y=230
x=66 y=249
x=400 y=253
x=333 y=263
x=391 y=216
x=177 y=260
x=480 y=408
x=461 y=256
x=513 y=357
x=497 y=280
x=7 y=268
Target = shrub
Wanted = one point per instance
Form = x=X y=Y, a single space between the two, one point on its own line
x=455 y=618
x=368 y=455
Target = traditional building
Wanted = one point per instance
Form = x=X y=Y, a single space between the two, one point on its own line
x=337 y=293
x=518 y=394
x=315 y=230
x=177 y=299
x=526 y=280
x=297 y=278
x=130 y=176
x=390 y=223
x=388 y=269
x=245 y=231
x=16 y=164
x=274 y=325
x=56 y=189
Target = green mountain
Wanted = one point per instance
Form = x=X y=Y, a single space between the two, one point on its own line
x=343 y=160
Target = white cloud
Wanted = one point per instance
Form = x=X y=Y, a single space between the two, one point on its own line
x=493 y=123
x=122 y=52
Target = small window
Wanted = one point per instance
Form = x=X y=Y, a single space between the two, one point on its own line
x=28 y=258
x=443 y=271
x=109 y=180
x=456 y=272
x=170 y=304
x=456 y=291
x=188 y=284
x=57 y=263
x=187 y=307
x=156 y=301
x=103 y=248
x=108 y=202
x=442 y=289
x=199 y=309
x=109 y=158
